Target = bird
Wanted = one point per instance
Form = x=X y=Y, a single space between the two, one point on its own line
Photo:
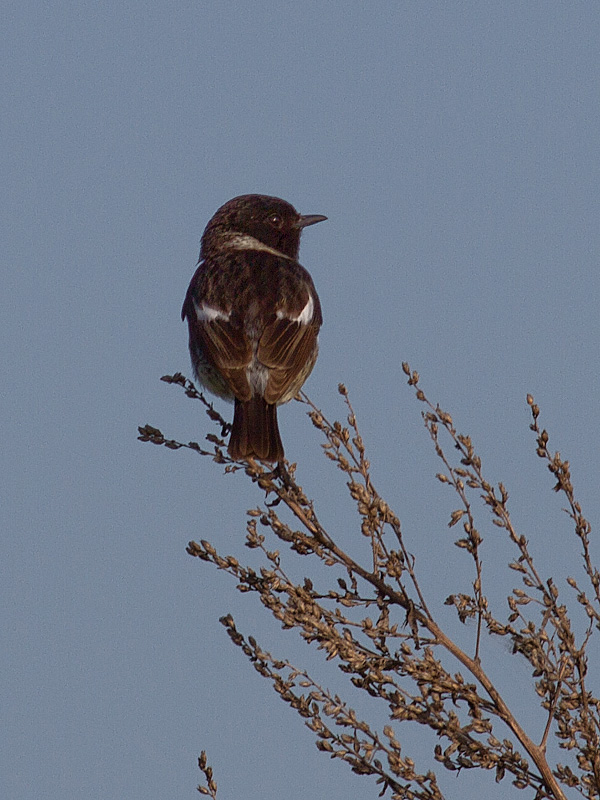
x=254 y=316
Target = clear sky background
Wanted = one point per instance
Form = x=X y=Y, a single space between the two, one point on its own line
x=454 y=147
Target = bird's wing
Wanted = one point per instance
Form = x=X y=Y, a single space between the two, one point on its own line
x=226 y=345
x=229 y=350
x=289 y=349
x=222 y=344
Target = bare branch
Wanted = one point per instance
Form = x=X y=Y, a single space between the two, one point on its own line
x=373 y=620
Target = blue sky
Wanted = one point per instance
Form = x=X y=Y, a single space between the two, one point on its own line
x=454 y=149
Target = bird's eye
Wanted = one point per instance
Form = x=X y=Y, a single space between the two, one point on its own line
x=275 y=220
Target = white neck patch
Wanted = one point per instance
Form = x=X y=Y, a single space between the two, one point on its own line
x=242 y=241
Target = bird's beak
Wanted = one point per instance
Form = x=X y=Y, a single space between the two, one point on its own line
x=309 y=219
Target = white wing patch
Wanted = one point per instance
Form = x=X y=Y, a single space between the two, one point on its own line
x=206 y=313
x=304 y=317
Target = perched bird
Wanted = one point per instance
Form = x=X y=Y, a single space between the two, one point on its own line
x=254 y=317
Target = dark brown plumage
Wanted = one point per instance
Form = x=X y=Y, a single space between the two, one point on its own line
x=254 y=317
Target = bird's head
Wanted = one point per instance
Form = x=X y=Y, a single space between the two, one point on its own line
x=270 y=220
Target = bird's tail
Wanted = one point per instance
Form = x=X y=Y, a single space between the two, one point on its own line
x=255 y=431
